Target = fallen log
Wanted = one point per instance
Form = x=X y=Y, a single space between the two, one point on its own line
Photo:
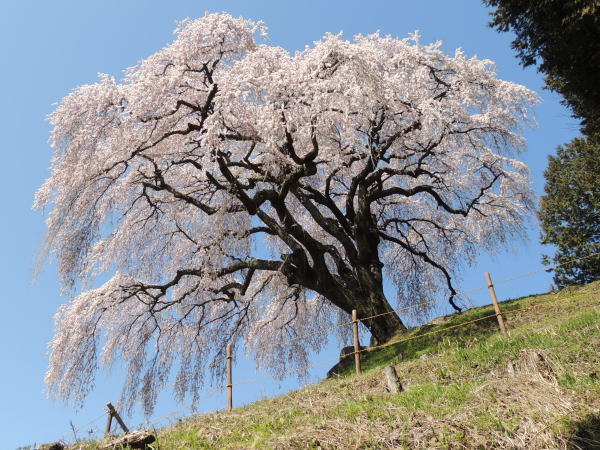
x=52 y=446
x=135 y=439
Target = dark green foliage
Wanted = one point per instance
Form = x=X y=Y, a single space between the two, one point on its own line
x=570 y=210
x=563 y=36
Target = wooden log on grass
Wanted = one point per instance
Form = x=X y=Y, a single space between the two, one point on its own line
x=52 y=446
x=135 y=439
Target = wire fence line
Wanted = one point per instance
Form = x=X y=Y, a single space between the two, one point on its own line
x=84 y=428
x=357 y=351
x=462 y=324
x=400 y=341
x=191 y=407
x=424 y=303
x=416 y=305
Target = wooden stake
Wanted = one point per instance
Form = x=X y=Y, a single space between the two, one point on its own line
x=113 y=412
x=229 y=378
x=108 y=422
x=391 y=378
x=495 y=302
x=356 y=343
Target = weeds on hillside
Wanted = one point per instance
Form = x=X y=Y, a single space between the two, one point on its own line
x=459 y=390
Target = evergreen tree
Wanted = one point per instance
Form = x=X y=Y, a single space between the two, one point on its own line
x=570 y=211
x=563 y=37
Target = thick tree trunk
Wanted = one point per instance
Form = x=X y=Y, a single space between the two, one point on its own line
x=366 y=293
x=363 y=290
x=378 y=316
x=357 y=285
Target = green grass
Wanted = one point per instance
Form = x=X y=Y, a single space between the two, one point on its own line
x=458 y=392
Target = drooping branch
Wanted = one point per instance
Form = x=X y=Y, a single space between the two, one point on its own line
x=428 y=260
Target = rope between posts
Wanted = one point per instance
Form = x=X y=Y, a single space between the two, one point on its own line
x=424 y=303
x=525 y=308
x=547 y=269
x=81 y=427
x=507 y=280
x=92 y=421
x=269 y=377
x=343 y=324
x=391 y=343
x=319 y=331
x=208 y=395
x=287 y=372
x=410 y=338
x=158 y=420
x=388 y=344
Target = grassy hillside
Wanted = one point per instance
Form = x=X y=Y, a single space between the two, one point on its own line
x=465 y=387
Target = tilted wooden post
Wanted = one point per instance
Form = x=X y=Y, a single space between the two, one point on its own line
x=229 y=378
x=356 y=343
x=113 y=412
x=495 y=302
x=108 y=421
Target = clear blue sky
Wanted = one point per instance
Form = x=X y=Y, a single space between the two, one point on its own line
x=49 y=47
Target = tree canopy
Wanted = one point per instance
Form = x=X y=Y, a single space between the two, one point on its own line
x=570 y=211
x=563 y=37
x=243 y=194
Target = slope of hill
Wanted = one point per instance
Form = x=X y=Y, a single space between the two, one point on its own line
x=465 y=386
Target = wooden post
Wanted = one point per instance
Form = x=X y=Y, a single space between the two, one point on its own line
x=108 y=422
x=229 y=382
x=356 y=343
x=113 y=412
x=495 y=302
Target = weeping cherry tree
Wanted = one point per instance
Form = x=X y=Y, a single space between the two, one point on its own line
x=238 y=193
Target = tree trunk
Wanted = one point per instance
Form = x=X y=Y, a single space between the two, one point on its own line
x=367 y=295
x=356 y=286
x=363 y=290
x=386 y=322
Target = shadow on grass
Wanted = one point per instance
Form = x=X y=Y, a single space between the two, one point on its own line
x=447 y=331
x=586 y=434
x=461 y=330
x=429 y=339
